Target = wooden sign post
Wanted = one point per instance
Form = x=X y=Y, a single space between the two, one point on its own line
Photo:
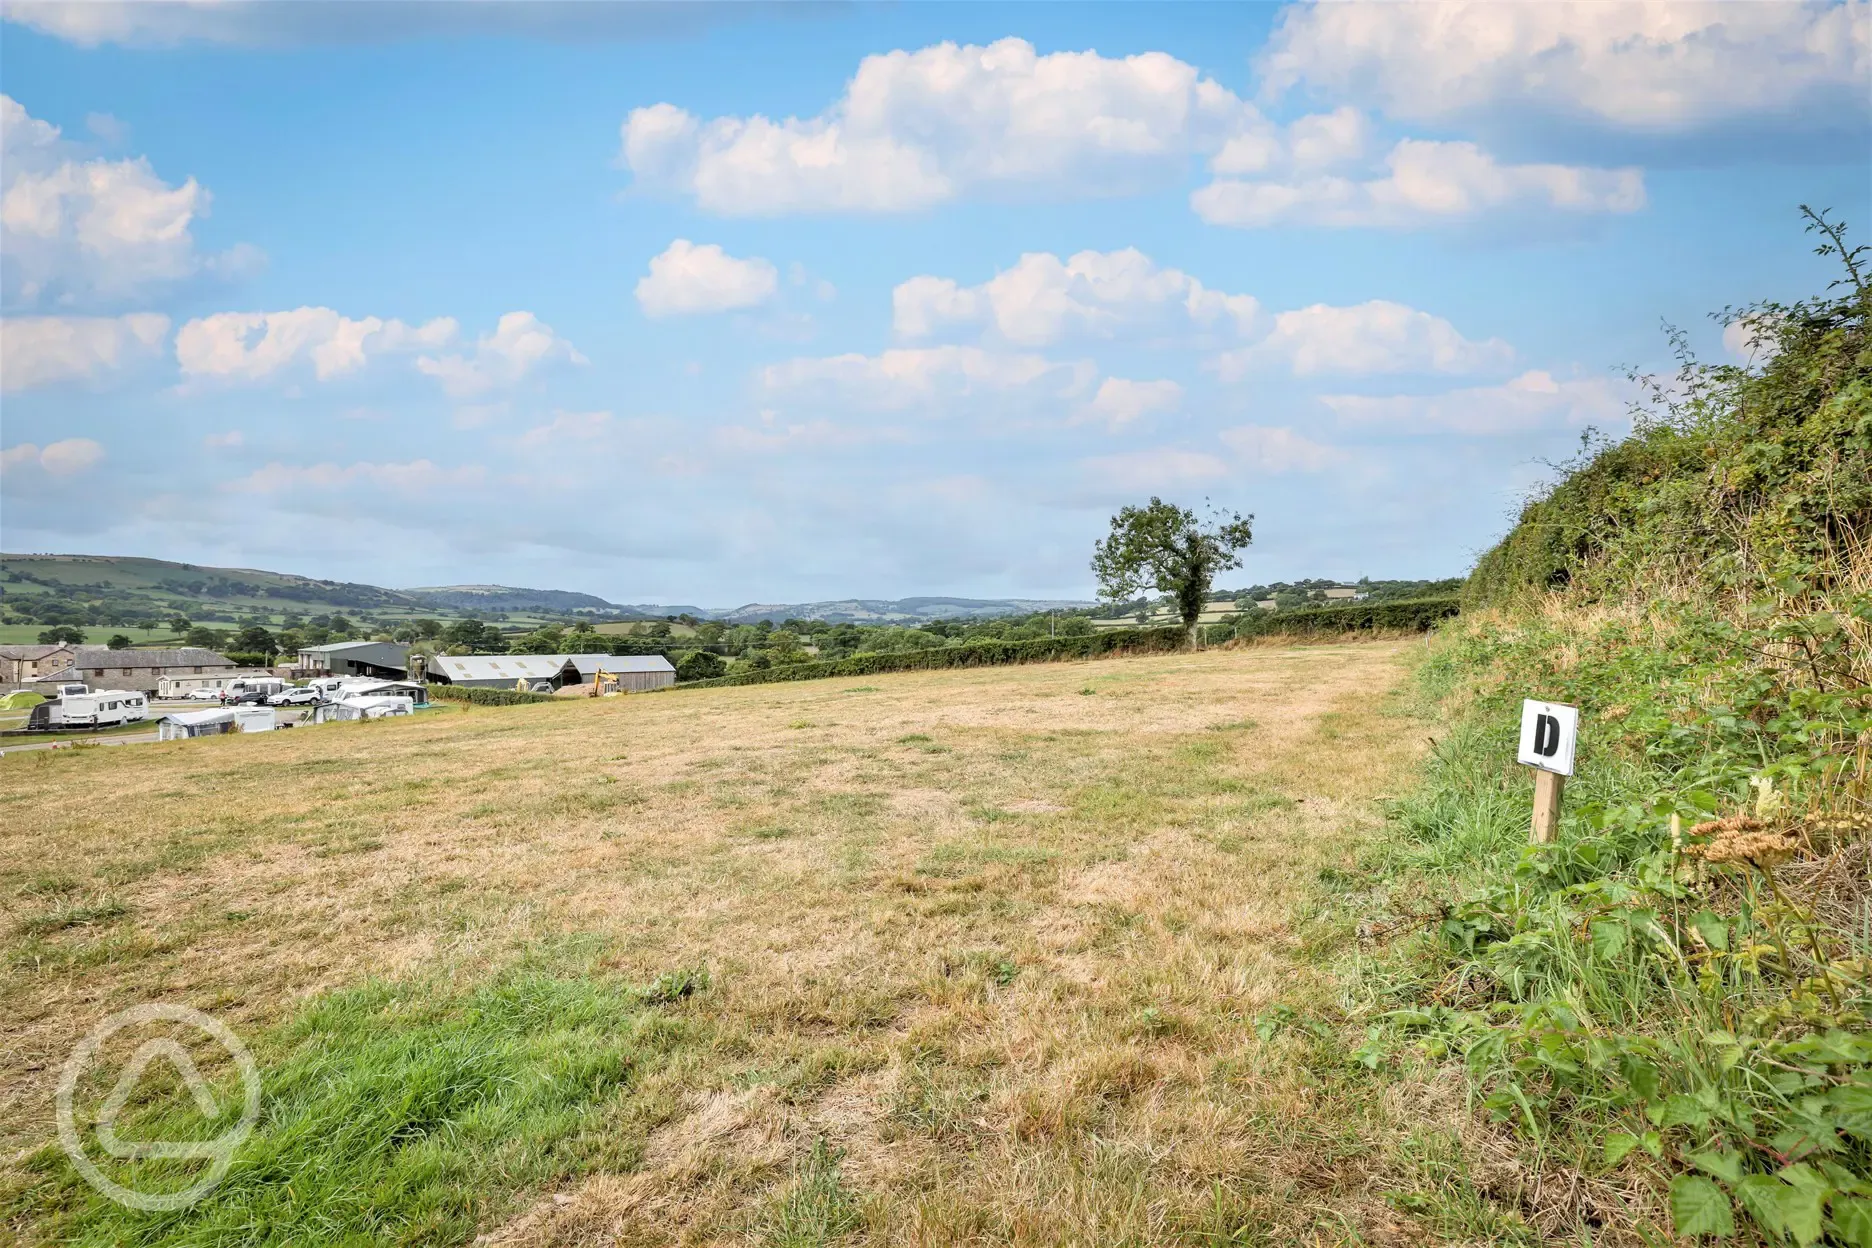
x=1549 y=733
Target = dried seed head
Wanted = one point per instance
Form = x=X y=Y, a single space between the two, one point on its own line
x=1741 y=839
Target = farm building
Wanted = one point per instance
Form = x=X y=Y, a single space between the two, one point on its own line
x=383 y=659
x=636 y=672
x=19 y=664
x=142 y=670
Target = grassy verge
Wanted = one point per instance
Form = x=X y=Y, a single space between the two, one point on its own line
x=1663 y=1016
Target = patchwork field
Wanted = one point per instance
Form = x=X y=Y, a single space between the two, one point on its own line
x=922 y=958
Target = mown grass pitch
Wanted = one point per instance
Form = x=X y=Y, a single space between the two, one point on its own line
x=920 y=958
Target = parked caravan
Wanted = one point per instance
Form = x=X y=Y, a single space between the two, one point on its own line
x=106 y=708
x=266 y=686
x=204 y=686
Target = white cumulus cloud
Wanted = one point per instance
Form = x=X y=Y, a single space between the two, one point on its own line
x=57 y=459
x=1423 y=182
x=1120 y=401
x=520 y=344
x=41 y=350
x=917 y=128
x=78 y=232
x=1533 y=400
x=1659 y=66
x=1044 y=299
x=252 y=346
x=687 y=279
x=1373 y=337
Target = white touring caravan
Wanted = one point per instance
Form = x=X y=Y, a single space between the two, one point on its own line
x=104 y=709
x=268 y=685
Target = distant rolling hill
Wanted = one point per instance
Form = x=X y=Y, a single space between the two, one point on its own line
x=157 y=588
x=508 y=598
x=893 y=610
x=160 y=586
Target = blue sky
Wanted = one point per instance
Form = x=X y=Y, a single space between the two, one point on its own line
x=781 y=303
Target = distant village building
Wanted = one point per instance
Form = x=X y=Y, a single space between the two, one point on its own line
x=1345 y=593
x=142 y=670
x=19 y=664
x=636 y=673
x=383 y=659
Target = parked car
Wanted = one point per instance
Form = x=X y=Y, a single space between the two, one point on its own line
x=302 y=696
x=253 y=698
x=203 y=695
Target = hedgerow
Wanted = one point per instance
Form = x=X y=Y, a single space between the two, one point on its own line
x=971 y=654
x=1670 y=1005
x=1410 y=614
x=486 y=697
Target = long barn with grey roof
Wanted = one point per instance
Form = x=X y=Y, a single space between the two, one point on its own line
x=636 y=673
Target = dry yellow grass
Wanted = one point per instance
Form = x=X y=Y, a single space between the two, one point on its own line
x=999 y=935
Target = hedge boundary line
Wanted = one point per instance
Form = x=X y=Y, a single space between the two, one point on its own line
x=1413 y=614
x=971 y=654
x=486 y=697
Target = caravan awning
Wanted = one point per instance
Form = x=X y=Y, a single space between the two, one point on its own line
x=196 y=719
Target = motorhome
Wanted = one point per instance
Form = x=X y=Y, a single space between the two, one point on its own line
x=104 y=709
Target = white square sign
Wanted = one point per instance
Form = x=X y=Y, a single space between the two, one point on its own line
x=1549 y=731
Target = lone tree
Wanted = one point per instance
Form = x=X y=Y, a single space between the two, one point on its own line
x=1164 y=547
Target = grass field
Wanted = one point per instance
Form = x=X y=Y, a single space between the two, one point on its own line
x=920 y=958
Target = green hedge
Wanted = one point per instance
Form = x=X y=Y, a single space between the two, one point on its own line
x=485 y=697
x=973 y=654
x=1413 y=614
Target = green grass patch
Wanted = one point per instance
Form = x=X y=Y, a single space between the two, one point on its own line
x=87 y=915
x=396 y=1113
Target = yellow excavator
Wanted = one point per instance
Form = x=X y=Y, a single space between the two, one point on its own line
x=606 y=683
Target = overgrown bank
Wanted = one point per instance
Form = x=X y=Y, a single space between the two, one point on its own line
x=1667 y=1014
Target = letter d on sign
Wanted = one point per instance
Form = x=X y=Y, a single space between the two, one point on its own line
x=1549 y=731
